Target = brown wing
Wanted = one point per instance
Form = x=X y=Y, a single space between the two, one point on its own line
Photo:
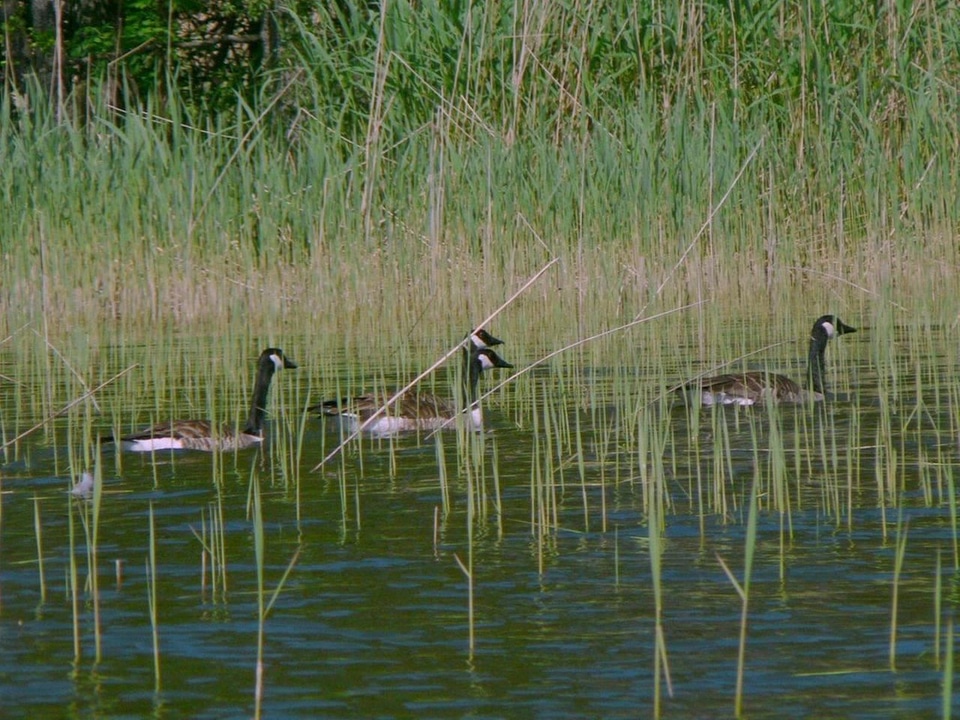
x=751 y=386
x=180 y=429
x=196 y=435
x=411 y=404
x=424 y=405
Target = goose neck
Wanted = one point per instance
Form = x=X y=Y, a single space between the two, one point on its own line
x=258 y=402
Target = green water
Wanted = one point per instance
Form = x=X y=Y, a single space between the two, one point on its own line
x=373 y=619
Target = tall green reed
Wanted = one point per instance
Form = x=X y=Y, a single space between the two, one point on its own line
x=73 y=583
x=654 y=490
x=937 y=608
x=952 y=509
x=235 y=233
x=743 y=590
x=213 y=552
x=265 y=603
x=38 y=533
x=901 y=549
x=89 y=514
x=947 y=683
x=151 y=574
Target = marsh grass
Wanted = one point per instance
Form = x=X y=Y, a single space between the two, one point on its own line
x=1 y=530
x=252 y=237
x=258 y=544
x=139 y=241
x=497 y=494
x=937 y=609
x=472 y=470
x=900 y=552
x=265 y=603
x=88 y=511
x=952 y=510
x=743 y=590
x=213 y=559
x=73 y=584
x=152 y=606
x=38 y=533
x=654 y=491
x=947 y=684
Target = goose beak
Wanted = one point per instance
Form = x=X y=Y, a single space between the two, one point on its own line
x=481 y=338
x=488 y=359
x=844 y=329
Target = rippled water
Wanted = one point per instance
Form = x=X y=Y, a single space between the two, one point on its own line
x=373 y=619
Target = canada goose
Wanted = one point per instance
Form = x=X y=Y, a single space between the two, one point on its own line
x=203 y=435
x=751 y=387
x=418 y=411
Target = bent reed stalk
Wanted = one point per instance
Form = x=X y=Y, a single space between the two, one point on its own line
x=450 y=353
x=345 y=246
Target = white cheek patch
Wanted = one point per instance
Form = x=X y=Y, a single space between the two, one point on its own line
x=477 y=341
x=485 y=362
x=277 y=361
x=831 y=330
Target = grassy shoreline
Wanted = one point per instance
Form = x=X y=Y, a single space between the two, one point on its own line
x=109 y=236
x=774 y=167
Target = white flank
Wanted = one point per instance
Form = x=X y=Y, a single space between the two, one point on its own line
x=389 y=426
x=151 y=444
x=722 y=398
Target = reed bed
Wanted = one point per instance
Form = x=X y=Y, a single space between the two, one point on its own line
x=277 y=244
x=147 y=259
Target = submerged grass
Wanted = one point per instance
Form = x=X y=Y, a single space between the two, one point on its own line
x=37 y=525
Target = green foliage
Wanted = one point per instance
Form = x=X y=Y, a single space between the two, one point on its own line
x=212 y=51
x=499 y=67
x=507 y=69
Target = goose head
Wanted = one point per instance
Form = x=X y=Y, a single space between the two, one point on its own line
x=487 y=359
x=481 y=339
x=273 y=359
x=830 y=326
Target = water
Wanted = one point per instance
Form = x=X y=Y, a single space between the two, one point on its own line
x=373 y=619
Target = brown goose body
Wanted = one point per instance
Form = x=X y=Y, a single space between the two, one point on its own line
x=753 y=387
x=749 y=388
x=204 y=435
x=190 y=435
x=413 y=410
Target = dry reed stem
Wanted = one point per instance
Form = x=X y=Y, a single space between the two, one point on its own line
x=706 y=224
x=572 y=346
x=66 y=407
x=67 y=364
x=438 y=363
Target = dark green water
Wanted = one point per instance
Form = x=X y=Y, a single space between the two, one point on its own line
x=373 y=619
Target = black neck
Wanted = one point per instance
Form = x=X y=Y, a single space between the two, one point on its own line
x=258 y=403
x=471 y=376
x=815 y=362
